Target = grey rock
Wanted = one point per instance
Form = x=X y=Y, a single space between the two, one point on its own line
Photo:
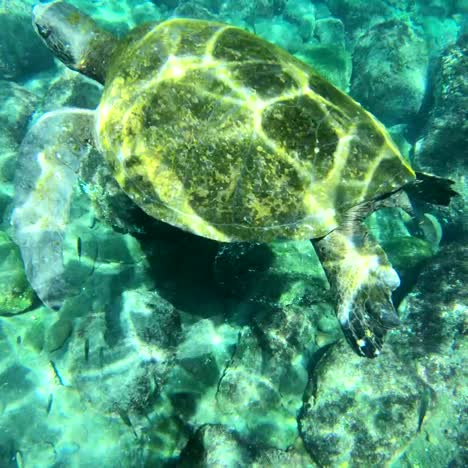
x=326 y=51
x=129 y=351
x=433 y=339
x=390 y=66
x=279 y=32
x=303 y=14
x=197 y=10
x=15 y=384
x=276 y=273
x=432 y=312
x=21 y=51
x=250 y=402
x=441 y=148
x=214 y=446
x=17 y=106
x=360 y=413
x=15 y=293
x=201 y=357
x=357 y=15
x=58 y=334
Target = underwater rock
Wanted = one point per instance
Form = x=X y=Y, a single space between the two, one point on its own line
x=279 y=32
x=17 y=106
x=275 y=273
x=121 y=355
x=399 y=137
x=245 y=13
x=358 y=15
x=433 y=311
x=121 y=16
x=15 y=293
x=214 y=445
x=433 y=338
x=303 y=14
x=58 y=334
x=441 y=8
x=288 y=336
x=250 y=402
x=326 y=52
x=21 y=51
x=390 y=64
x=442 y=146
x=360 y=413
x=266 y=457
x=195 y=10
x=205 y=352
x=201 y=358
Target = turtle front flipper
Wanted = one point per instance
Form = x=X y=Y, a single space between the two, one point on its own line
x=45 y=182
x=362 y=280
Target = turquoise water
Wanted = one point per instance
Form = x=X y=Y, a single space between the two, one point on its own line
x=126 y=341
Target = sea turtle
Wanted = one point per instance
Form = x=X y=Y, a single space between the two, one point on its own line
x=211 y=129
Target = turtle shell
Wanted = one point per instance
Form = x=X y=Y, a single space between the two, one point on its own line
x=214 y=130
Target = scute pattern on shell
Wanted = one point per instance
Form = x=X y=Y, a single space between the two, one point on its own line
x=211 y=129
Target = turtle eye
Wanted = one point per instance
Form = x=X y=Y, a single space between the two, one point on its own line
x=43 y=31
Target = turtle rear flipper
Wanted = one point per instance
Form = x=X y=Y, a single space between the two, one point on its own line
x=431 y=189
x=362 y=280
x=45 y=182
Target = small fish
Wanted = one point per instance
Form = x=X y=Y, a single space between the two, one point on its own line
x=18 y=340
x=86 y=349
x=125 y=418
x=57 y=373
x=49 y=403
x=78 y=247
x=19 y=459
x=101 y=356
x=424 y=406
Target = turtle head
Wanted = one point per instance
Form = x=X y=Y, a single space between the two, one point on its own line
x=74 y=38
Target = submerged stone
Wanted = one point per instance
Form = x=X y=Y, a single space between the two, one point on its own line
x=441 y=148
x=360 y=413
x=21 y=51
x=390 y=64
x=15 y=293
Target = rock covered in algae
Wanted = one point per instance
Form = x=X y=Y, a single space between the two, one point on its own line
x=16 y=107
x=390 y=64
x=432 y=338
x=21 y=51
x=442 y=146
x=214 y=445
x=360 y=413
x=275 y=273
x=15 y=293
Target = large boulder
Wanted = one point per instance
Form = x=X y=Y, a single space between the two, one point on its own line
x=442 y=145
x=21 y=51
x=390 y=64
x=17 y=105
x=360 y=413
